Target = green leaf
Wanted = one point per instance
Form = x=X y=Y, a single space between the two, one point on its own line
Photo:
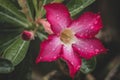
x=8 y=5
x=76 y=6
x=8 y=35
x=35 y=5
x=58 y=1
x=40 y=10
x=31 y=8
x=41 y=36
x=88 y=65
x=4 y=45
x=6 y=66
x=13 y=19
x=16 y=51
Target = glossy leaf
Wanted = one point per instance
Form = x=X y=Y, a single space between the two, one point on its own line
x=88 y=65
x=76 y=6
x=16 y=51
x=58 y=1
x=35 y=4
x=6 y=66
x=7 y=36
x=6 y=44
x=30 y=8
x=43 y=2
x=41 y=36
x=42 y=10
x=13 y=19
x=8 y=5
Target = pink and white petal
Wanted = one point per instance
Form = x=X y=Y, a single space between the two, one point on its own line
x=58 y=16
x=50 y=49
x=72 y=59
x=88 y=48
x=87 y=25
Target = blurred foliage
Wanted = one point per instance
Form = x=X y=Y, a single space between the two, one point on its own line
x=6 y=66
x=88 y=65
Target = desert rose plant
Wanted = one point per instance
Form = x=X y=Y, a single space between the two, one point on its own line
x=62 y=34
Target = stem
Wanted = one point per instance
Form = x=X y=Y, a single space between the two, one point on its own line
x=62 y=67
x=25 y=10
x=35 y=30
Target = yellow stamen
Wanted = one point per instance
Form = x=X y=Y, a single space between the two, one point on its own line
x=66 y=36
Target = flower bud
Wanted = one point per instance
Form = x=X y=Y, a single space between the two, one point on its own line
x=27 y=35
x=46 y=25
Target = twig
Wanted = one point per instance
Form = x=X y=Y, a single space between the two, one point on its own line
x=113 y=67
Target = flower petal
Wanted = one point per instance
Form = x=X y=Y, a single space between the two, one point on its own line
x=50 y=50
x=58 y=16
x=87 y=26
x=88 y=48
x=72 y=59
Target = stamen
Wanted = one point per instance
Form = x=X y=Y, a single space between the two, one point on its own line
x=66 y=36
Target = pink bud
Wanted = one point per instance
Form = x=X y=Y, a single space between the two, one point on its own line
x=46 y=25
x=27 y=35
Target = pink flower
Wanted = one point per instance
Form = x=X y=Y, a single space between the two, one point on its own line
x=71 y=39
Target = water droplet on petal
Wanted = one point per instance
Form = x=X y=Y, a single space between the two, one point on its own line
x=92 y=27
x=96 y=22
x=72 y=63
x=96 y=50
x=57 y=18
x=98 y=16
x=89 y=24
x=53 y=49
x=54 y=57
x=40 y=58
x=86 y=48
x=91 y=46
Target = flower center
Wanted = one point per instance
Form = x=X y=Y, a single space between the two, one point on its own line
x=66 y=36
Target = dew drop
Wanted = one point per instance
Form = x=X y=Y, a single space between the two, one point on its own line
x=54 y=57
x=96 y=50
x=78 y=48
x=96 y=22
x=72 y=63
x=86 y=48
x=91 y=46
x=89 y=24
x=40 y=58
x=98 y=16
x=57 y=18
x=92 y=27
x=53 y=49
